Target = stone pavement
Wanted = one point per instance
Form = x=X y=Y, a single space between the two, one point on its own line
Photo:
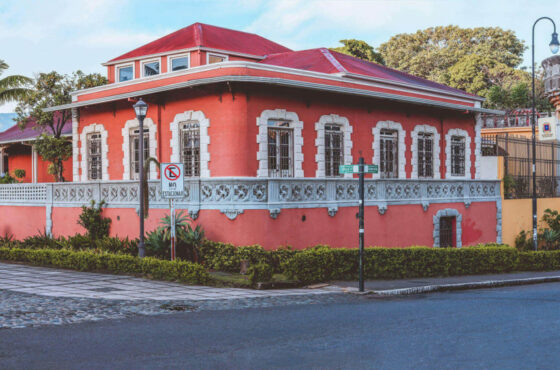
x=64 y=283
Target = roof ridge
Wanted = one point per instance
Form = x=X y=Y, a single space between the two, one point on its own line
x=332 y=60
x=197 y=34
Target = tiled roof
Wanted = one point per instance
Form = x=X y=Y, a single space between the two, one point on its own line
x=328 y=61
x=204 y=35
x=30 y=132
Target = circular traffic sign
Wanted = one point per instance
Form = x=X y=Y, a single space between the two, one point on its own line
x=172 y=172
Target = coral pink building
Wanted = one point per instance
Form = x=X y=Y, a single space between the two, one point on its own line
x=262 y=130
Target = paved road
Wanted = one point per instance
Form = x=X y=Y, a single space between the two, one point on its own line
x=507 y=328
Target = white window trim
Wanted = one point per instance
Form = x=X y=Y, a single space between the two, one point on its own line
x=90 y=129
x=478 y=146
x=262 y=139
x=436 y=150
x=133 y=124
x=171 y=57
x=149 y=61
x=175 y=143
x=457 y=132
x=75 y=149
x=376 y=131
x=216 y=55
x=346 y=129
x=117 y=66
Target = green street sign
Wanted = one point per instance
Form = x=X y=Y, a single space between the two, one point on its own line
x=355 y=168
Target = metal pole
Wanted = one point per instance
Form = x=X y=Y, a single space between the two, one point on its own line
x=141 y=249
x=361 y=225
x=535 y=244
x=172 y=229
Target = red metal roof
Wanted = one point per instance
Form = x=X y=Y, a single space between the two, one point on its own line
x=328 y=61
x=204 y=35
x=31 y=131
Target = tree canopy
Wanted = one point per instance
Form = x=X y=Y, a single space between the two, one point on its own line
x=360 y=49
x=47 y=90
x=12 y=87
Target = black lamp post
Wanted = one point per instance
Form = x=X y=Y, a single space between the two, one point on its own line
x=554 y=45
x=141 y=108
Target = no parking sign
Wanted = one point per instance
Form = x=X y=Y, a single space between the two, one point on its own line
x=172 y=181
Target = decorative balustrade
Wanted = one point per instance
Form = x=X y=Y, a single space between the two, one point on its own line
x=233 y=195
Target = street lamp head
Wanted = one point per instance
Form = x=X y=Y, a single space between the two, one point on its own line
x=554 y=44
x=141 y=108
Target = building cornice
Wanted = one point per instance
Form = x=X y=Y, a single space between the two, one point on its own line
x=337 y=77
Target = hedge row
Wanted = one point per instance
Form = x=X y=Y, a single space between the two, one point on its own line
x=324 y=264
x=154 y=268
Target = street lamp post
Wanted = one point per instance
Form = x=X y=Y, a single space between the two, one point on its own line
x=141 y=108
x=554 y=45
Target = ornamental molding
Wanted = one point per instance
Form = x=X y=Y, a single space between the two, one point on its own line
x=175 y=142
x=346 y=129
x=448 y=212
x=262 y=140
x=414 y=149
x=478 y=146
x=75 y=150
x=231 y=213
x=152 y=129
x=90 y=129
x=463 y=133
x=376 y=131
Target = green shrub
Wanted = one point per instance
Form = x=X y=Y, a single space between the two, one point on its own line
x=19 y=173
x=260 y=272
x=91 y=219
x=323 y=263
x=184 y=271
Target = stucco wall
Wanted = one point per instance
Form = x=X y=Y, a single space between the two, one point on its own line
x=233 y=130
x=400 y=226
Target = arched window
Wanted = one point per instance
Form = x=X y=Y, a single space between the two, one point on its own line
x=425 y=152
x=389 y=150
x=458 y=154
x=189 y=143
x=334 y=145
x=280 y=143
x=131 y=148
x=93 y=150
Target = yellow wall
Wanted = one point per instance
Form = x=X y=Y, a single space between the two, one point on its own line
x=517 y=215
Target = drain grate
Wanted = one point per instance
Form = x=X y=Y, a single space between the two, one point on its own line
x=104 y=290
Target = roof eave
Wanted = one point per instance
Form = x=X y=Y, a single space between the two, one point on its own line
x=278 y=82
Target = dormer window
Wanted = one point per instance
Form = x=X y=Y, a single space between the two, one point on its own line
x=179 y=62
x=150 y=68
x=215 y=58
x=125 y=73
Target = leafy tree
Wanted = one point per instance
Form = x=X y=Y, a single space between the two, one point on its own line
x=472 y=59
x=55 y=150
x=360 y=49
x=12 y=87
x=50 y=89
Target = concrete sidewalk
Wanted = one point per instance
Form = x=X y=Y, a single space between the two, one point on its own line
x=65 y=283
x=425 y=285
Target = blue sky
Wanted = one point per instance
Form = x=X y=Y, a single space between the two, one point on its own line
x=66 y=35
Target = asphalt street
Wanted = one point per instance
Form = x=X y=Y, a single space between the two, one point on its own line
x=506 y=328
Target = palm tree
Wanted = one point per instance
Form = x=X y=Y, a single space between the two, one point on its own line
x=12 y=87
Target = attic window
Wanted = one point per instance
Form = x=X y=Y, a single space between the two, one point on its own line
x=216 y=58
x=150 y=68
x=125 y=73
x=178 y=63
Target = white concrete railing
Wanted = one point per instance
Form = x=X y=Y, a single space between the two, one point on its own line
x=233 y=195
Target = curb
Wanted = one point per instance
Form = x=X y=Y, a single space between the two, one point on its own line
x=463 y=286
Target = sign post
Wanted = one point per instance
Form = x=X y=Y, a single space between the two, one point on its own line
x=360 y=169
x=172 y=187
